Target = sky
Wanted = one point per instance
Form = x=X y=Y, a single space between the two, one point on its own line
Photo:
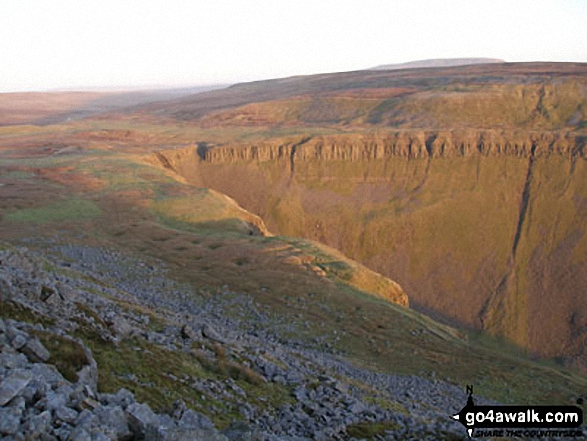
x=82 y=44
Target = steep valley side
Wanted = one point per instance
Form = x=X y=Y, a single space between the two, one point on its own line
x=482 y=229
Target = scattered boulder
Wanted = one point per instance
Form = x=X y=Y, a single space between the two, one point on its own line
x=210 y=333
x=141 y=418
x=114 y=418
x=193 y=420
x=48 y=375
x=188 y=333
x=66 y=415
x=35 y=351
x=47 y=292
x=119 y=325
x=9 y=421
x=17 y=338
x=37 y=425
x=12 y=385
x=37 y=402
x=88 y=374
x=5 y=287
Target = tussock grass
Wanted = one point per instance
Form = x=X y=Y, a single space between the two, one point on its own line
x=16 y=311
x=67 y=210
x=67 y=355
x=370 y=430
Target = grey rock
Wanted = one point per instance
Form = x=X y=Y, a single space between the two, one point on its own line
x=340 y=387
x=140 y=418
x=178 y=410
x=356 y=407
x=19 y=341
x=88 y=375
x=18 y=405
x=300 y=393
x=17 y=337
x=103 y=436
x=123 y=398
x=35 y=351
x=14 y=384
x=63 y=432
x=66 y=415
x=241 y=431
x=166 y=422
x=114 y=418
x=89 y=404
x=85 y=419
x=35 y=391
x=79 y=434
x=182 y=434
x=37 y=425
x=106 y=398
x=120 y=326
x=9 y=421
x=87 y=390
x=211 y=334
x=189 y=333
x=52 y=401
x=194 y=420
x=12 y=361
x=5 y=286
x=48 y=374
x=47 y=292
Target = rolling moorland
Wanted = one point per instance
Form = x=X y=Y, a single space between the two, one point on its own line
x=426 y=223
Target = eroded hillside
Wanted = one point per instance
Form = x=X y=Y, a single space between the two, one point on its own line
x=484 y=229
x=464 y=184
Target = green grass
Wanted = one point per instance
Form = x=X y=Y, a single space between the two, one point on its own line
x=157 y=371
x=20 y=175
x=369 y=430
x=67 y=355
x=66 y=210
x=15 y=311
x=90 y=313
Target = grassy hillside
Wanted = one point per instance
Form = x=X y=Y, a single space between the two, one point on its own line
x=116 y=200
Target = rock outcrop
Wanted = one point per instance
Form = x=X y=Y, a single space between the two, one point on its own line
x=405 y=144
x=37 y=402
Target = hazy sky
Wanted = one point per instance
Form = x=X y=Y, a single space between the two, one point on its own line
x=72 y=44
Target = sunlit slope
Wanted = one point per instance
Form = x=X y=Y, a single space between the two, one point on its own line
x=483 y=229
x=542 y=96
x=544 y=106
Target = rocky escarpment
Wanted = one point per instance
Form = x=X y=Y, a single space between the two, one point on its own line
x=411 y=144
x=481 y=228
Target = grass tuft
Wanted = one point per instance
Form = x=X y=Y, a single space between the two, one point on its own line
x=71 y=209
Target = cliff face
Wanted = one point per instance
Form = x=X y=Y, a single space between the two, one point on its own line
x=413 y=145
x=485 y=229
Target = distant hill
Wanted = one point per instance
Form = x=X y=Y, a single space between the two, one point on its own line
x=439 y=62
